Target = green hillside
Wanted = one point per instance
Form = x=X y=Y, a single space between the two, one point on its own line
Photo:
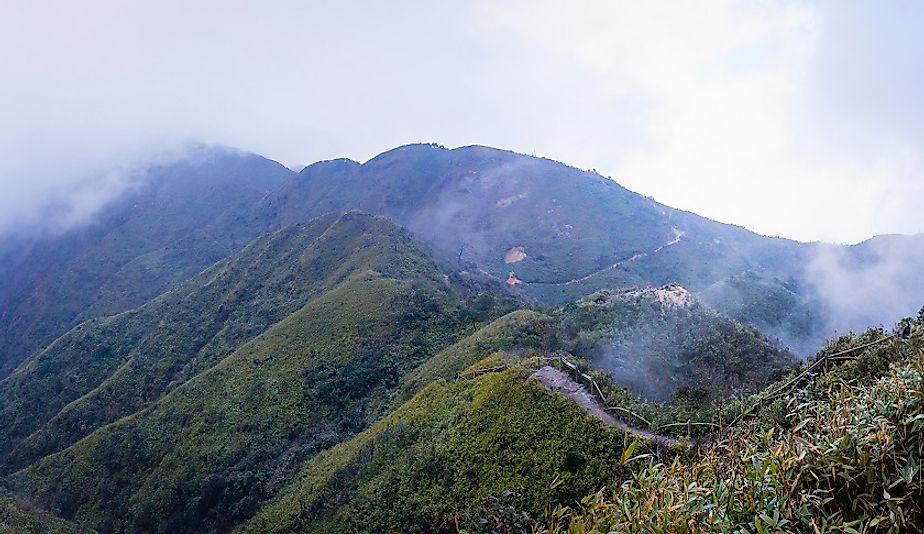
x=189 y=412
x=467 y=436
x=840 y=454
x=177 y=220
x=565 y=233
x=203 y=377
x=663 y=343
x=840 y=451
x=20 y=517
x=444 y=450
x=249 y=351
x=110 y=368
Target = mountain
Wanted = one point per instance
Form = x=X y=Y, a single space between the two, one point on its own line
x=188 y=411
x=663 y=343
x=484 y=427
x=562 y=232
x=178 y=219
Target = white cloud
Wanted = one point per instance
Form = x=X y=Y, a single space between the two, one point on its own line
x=761 y=114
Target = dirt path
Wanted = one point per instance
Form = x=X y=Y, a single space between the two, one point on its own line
x=559 y=382
x=603 y=270
x=678 y=235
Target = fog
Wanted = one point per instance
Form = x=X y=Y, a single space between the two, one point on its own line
x=875 y=283
x=799 y=119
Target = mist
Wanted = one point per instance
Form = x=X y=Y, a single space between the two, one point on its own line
x=874 y=283
x=731 y=110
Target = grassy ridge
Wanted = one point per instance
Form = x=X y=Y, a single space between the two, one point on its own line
x=205 y=453
x=301 y=387
x=428 y=466
x=111 y=368
x=442 y=451
x=840 y=454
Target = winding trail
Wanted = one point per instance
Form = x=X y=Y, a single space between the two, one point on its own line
x=678 y=235
x=559 y=382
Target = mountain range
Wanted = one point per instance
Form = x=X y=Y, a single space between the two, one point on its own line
x=232 y=344
x=562 y=232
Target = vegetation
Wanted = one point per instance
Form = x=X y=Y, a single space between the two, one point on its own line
x=18 y=516
x=841 y=454
x=670 y=351
x=206 y=451
x=174 y=221
x=190 y=412
x=440 y=452
x=332 y=375
x=470 y=205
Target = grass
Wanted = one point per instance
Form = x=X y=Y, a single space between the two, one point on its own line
x=440 y=452
x=842 y=454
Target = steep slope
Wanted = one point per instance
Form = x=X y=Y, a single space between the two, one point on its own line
x=109 y=368
x=178 y=219
x=14 y=519
x=562 y=232
x=562 y=223
x=483 y=427
x=840 y=453
x=199 y=397
x=442 y=452
x=662 y=343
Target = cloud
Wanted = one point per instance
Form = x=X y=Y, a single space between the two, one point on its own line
x=791 y=118
x=738 y=109
x=874 y=283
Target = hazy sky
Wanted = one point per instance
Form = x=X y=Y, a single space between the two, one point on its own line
x=799 y=119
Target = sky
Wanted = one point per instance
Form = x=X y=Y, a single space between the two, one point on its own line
x=799 y=119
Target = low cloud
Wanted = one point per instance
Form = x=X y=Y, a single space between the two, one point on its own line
x=877 y=282
x=738 y=111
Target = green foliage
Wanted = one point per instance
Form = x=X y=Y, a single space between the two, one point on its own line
x=470 y=204
x=367 y=306
x=845 y=458
x=495 y=515
x=684 y=353
x=19 y=516
x=111 y=368
x=442 y=452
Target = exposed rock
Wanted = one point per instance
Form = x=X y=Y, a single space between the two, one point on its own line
x=514 y=255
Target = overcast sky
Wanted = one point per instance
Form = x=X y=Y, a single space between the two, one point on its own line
x=798 y=119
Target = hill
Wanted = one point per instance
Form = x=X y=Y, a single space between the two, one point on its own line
x=178 y=219
x=440 y=453
x=663 y=343
x=561 y=231
x=483 y=430
x=838 y=450
x=838 y=453
x=187 y=412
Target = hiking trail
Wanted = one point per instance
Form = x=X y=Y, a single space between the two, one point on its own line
x=559 y=382
x=678 y=236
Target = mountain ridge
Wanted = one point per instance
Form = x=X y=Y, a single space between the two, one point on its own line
x=472 y=204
